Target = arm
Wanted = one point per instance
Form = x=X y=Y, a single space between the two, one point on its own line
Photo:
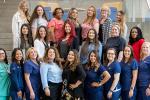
x=115 y=81
x=120 y=56
x=96 y=27
x=34 y=28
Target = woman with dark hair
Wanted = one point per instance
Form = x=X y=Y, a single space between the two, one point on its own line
x=17 y=80
x=4 y=76
x=55 y=26
x=143 y=80
x=96 y=77
x=128 y=76
x=32 y=75
x=40 y=42
x=73 y=76
x=90 y=44
x=67 y=42
x=112 y=88
x=38 y=19
x=26 y=38
x=136 y=40
x=51 y=74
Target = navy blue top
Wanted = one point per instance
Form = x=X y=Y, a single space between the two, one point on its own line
x=34 y=70
x=16 y=77
x=126 y=73
x=93 y=76
x=144 y=72
x=113 y=68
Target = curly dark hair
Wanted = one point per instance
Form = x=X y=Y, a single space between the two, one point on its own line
x=55 y=11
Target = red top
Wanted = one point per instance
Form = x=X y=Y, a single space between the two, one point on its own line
x=137 y=48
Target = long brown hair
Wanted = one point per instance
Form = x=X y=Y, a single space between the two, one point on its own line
x=84 y=48
x=75 y=63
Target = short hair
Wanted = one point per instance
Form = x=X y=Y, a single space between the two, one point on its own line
x=106 y=8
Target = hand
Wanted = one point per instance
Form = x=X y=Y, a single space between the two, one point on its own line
x=130 y=93
x=148 y=91
x=73 y=86
x=95 y=84
x=32 y=95
x=109 y=95
x=47 y=91
x=19 y=93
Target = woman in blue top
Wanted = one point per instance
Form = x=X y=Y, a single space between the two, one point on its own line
x=51 y=74
x=16 y=69
x=32 y=75
x=96 y=76
x=128 y=76
x=91 y=43
x=143 y=80
x=112 y=88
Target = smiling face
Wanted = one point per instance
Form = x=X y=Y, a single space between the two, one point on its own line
x=40 y=11
x=24 y=7
x=115 y=31
x=59 y=14
x=33 y=54
x=111 y=55
x=127 y=52
x=51 y=54
x=71 y=56
x=74 y=14
x=93 y=58
x=90 y=12
x=91 y=34
x=42 y=32
x=24 y=30
x=67 y=28
x=18 y=55
x=104 y=12
x=2 y=55
x=119 y=16
x=134 y=33
x=145 y=48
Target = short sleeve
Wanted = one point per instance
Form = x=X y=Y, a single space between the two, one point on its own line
x=117 y=68
x=134 y=65
x=28 y=67
x=100 y=70
x=52 y=23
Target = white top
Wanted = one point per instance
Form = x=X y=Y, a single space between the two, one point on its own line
x=17 y=22
x=40 y=47
x=50 y=72
x=39 y=22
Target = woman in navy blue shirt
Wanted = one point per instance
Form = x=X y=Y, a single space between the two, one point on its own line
x=128 y=77
x=32 y=75
x=143 y=81
x=112 y=88
x=16 y=69
x=96 y=76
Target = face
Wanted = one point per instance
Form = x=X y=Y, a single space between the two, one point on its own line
x=115 y=31
x=90 y=12
x=146 y=49
x=104 y=13
x=67 y=28
x=18 y=55
x=33 y=54
x=119 y=16
x=91 y=34
x=71 y=56
x=59 y=13
x=2 y=55
x=92 y=57
x=111 y=55
x=134 y=33
x=42 y=32
x=40 y=11
x=51 y=54
x=24 y=30
x=74 y=14
x=127 y=52
x=24 y=7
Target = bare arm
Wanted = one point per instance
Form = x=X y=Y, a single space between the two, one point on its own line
x=134 y=74
x=115 y=81
x=106 y=76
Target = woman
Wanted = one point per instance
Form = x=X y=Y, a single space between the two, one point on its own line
x=20 y=17
x=128 y=76
x=32 y=75
x=136 y=40
x=143 y=81
x=67 y=42
x=26 y=38
x=38 y=19
x=112 y=88
x=115 y=41
x=96 y=77
x=55 y=26
x=4 y=76
x=73 y=75
x=73 y=19
x=120 y=19
x=51 y=74
x=17 y=78
x=105 y=24
x=40 y=42
x=90 y=44
x=90 y=22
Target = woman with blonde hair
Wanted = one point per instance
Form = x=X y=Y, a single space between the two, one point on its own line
x=20 y=17
x=90 y=22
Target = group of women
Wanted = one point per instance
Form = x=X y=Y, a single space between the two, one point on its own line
x=66 y=60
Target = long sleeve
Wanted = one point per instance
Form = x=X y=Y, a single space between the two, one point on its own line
x=44 y=72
